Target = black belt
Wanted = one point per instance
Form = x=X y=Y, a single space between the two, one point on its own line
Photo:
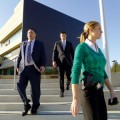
x=29 y=66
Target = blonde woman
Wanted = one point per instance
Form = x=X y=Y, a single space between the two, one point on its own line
x=90 y=62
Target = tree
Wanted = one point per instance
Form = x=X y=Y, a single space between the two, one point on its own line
x=115 y=67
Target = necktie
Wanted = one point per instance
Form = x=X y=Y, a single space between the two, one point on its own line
x=29 y=53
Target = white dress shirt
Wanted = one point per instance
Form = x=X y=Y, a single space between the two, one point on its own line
x=64 y=44
x=91 y=45
x=32 y=45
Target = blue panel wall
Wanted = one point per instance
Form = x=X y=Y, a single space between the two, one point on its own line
x=48 y=24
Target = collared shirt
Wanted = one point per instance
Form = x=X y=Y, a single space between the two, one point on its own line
x=63 y=44
x=32 y=45
x=91 y=45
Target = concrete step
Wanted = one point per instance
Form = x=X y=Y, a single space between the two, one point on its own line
x=18 y=106
x=43 y=85
x=55 y=98
x=53 y=115
x=51 y=91
x=56 y=106
x=16 y=115
x=43 y=98
x=11 y=81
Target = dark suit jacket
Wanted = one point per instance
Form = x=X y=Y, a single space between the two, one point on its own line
x=59 y=54
x=38 y=54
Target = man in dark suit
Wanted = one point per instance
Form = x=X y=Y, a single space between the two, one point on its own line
x=63 y=54
x=30 y=64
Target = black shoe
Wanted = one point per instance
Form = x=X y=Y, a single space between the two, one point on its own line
x=28 y=100
x=33 y=111
x=67 y=87
x=61 y=94
x=26 y=109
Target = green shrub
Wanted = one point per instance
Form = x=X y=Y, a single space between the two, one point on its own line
x=50 y=71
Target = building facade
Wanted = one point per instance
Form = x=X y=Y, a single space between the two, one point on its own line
x=48 y=24
x=10 y=39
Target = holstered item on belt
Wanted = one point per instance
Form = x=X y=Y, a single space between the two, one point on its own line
x=88 y=83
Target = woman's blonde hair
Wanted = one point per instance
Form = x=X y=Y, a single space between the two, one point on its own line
x=87 y=26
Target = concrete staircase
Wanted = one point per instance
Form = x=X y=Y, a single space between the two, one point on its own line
x=51 y=103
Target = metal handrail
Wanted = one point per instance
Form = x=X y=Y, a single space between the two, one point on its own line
x=15 y=66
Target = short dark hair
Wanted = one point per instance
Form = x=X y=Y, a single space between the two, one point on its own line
x=32 y=29
x=62 y=32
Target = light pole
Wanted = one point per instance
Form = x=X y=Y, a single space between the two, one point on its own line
x=104 y=38
x=115 y=64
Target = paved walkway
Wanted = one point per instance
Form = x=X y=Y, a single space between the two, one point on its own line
x=114 y=116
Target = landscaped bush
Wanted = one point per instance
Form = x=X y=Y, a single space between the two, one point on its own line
x=50 y=71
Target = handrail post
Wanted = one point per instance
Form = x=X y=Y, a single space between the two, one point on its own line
x=15 y=60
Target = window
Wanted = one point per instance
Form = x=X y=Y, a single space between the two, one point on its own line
x=12 y=39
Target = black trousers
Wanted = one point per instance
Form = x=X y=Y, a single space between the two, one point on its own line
x=93 y=104
x=62 y=68
x=32 y=75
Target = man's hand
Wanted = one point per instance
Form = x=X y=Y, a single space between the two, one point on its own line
x=42 y=69
x=17 y=70
x=54 y=64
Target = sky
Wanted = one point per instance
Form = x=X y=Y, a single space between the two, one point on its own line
x=83 y=10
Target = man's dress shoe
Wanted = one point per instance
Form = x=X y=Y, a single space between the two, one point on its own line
x=26 y=109
x=61 y=94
